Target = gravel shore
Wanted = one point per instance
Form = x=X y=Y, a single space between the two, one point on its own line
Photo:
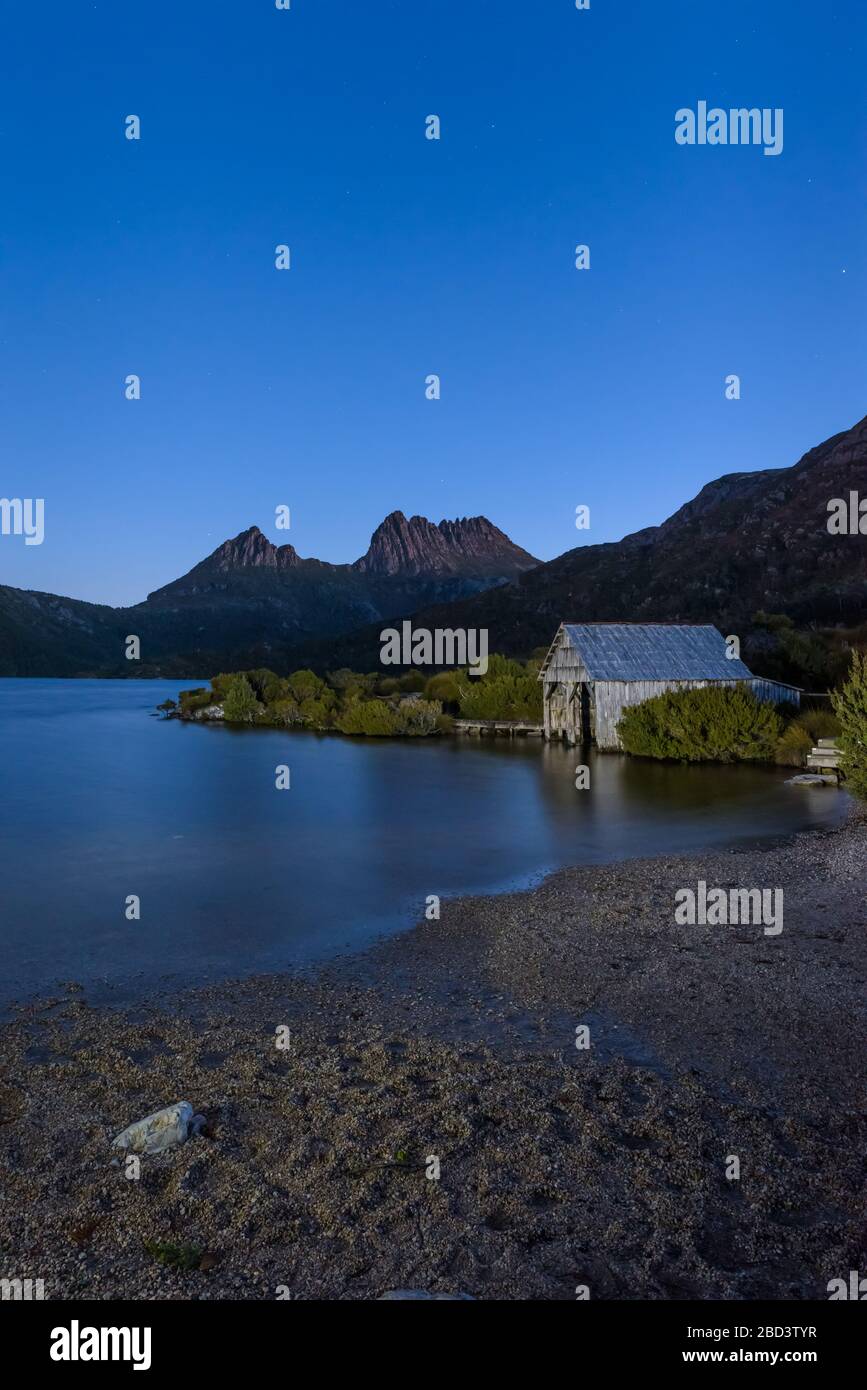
x=559 y=1167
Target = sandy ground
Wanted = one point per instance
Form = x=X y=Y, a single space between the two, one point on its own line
x=559 y=1167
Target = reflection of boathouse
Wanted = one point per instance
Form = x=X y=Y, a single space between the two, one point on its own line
x=594 y=670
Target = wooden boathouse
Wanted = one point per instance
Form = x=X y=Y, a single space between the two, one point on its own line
x=593 y=671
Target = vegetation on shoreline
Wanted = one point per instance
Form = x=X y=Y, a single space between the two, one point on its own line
x=723 y=724
x=373 y=705
x=850 y=707
x=709 y=724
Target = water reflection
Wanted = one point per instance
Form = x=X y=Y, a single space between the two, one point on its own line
x=100 y=800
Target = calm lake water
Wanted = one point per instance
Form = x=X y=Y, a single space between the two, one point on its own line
x=99 y=800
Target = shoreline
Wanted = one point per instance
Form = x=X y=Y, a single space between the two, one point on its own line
x=456 y=1039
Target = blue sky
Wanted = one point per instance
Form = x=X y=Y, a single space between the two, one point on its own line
x=411 y=257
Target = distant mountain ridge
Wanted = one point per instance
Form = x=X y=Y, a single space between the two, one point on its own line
x=470 y=549
x=472 y=545
x=745 y=542
x=250 y=602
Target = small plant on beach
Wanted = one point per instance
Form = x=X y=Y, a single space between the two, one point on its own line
x=166 y=1252
x=713 y=723
x=850 y=707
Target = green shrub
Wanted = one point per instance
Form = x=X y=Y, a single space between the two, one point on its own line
x=266 y=686
x=419 y=717
x=222 y=684
x=794 y=746
x=777 y=649
x=374 y=718
x=284 y=713
x=174 y=1256
x=713 y=723
x=850 y=707
x=192 y=700
x=502 y=696
x=413 y=683
x=353 y=682
x=304 y=685
x=240 y=705
x=444 y=687
x=316 y=714
x=819 y=723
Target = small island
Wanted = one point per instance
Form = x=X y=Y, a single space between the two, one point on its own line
x=372 y=705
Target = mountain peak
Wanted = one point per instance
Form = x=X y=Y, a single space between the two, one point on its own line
x=250 y=549
x=417 y=546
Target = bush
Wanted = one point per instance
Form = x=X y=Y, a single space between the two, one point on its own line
x=346 y=700
x=192 y=700
x=353 y=682
x=284 y=713
x=374 y=718
x=304 y=685
x=444 y=687
x=240 y=705
x=794 y=746
x=850 y=707
x=419 y=717
x=713 y=723
x=412 y=683
x=316 y=714
x=266 y=686
x=819 y=723
x=777 y=649
x=502 y=697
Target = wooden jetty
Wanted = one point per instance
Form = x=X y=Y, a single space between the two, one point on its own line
x=825 y=757
x=508 y=728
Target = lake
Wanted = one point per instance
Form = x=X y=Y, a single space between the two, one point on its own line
x=100 y=800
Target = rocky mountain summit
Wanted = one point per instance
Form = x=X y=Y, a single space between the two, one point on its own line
x=746 y=543
x=251 y=602
x=472 y=545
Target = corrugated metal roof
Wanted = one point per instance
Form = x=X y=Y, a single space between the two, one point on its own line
x=653 y=651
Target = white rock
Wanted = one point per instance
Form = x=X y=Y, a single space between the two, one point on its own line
x=209 y=712
x=161 y=1130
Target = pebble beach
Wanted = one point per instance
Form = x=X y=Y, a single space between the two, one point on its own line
x=430 y=1124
